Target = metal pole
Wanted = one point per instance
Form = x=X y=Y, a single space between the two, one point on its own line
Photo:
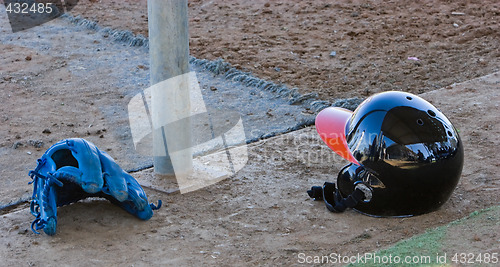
x=169 y=60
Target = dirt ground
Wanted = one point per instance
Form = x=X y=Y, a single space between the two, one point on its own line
x=262 y=216
x=292 y=41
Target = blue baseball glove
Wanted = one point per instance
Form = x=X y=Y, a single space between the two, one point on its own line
x=74 y=169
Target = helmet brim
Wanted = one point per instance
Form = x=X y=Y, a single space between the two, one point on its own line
x=331 y=126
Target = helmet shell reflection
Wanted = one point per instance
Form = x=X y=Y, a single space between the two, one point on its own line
x=408 y=152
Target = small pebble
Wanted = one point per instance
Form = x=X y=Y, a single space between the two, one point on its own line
x=23 y=232
x=16 y=145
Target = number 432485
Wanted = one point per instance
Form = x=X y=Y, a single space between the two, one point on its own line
x=25 y=8
x=466 y=258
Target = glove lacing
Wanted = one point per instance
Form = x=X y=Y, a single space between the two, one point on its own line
x=35 y=175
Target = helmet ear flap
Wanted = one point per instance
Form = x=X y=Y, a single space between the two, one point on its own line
x=347 y=179
x=352 y=177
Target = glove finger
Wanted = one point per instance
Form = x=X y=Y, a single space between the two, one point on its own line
x=87 y=156
x=69 y=173
x=123 y=190
x=89 y=183
x=115 y=186
x=137 y=202
x=136 y=193
x=115 y=183
x=138 y=207
x=130 y=207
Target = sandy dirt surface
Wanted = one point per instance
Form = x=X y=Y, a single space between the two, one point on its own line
x=292 y=41
x=262 y=215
